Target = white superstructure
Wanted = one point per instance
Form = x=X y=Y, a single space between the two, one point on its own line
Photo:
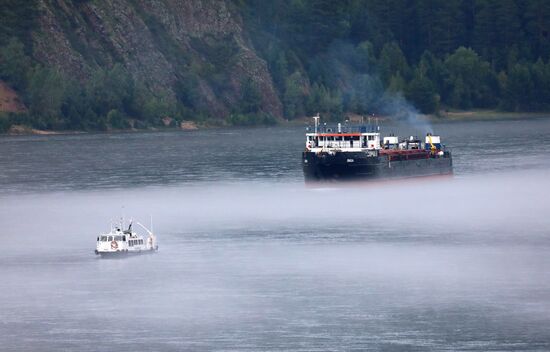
x=123 y=242
x=341 y=138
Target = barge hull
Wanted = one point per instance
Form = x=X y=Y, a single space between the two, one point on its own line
x=355 y=166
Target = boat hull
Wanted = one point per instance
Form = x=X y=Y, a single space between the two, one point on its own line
x=355 y=166
x=122 y=254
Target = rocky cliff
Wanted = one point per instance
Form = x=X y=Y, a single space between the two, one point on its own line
x=166 y=44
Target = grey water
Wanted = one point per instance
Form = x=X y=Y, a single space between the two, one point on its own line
x=252 y=260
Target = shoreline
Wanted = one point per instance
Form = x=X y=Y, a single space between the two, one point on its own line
x=447 y=116
x=485 y=115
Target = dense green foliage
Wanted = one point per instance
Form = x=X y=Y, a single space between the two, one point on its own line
x=439 y=54
x=333 y=57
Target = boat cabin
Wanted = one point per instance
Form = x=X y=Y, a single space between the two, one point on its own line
x=110 y=238
x=356 y=138
x=343 y=140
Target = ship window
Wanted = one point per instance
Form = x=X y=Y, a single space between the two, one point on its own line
x=371 y=138
x=104 y=238
x=110 y=238
x=118 y=238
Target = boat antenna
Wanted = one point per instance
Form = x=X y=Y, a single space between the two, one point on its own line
x=122 y=222
x=151 y=223
x=316 y=118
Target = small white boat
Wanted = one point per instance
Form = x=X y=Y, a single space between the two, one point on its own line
x=119 y=242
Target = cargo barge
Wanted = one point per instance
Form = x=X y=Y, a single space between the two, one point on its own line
x=346 y=152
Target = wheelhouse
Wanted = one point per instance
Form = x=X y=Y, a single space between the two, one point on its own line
x=343 y=140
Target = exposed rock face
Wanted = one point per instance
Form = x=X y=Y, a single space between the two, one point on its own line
x=163 y=43
x=9 y=100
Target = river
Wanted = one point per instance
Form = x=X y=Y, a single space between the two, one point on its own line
x=252 y=260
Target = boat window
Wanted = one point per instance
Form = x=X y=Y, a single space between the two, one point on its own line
x=104 y=238
x=118 y=238
x=140 y=241
x=110 y=238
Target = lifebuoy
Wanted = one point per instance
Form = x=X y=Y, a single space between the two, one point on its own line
x=114 y=245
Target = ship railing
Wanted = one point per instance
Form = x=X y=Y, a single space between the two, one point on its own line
x=344 y=128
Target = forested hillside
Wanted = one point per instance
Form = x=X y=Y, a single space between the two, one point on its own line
x=440 y=53
x=87 y=64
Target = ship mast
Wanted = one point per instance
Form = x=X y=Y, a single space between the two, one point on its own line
x=316 y=118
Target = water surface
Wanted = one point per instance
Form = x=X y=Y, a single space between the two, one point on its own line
x=250 y=259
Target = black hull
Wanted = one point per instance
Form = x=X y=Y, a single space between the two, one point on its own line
x=354 y=166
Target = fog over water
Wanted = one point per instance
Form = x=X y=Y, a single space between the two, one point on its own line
x=251 y=259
